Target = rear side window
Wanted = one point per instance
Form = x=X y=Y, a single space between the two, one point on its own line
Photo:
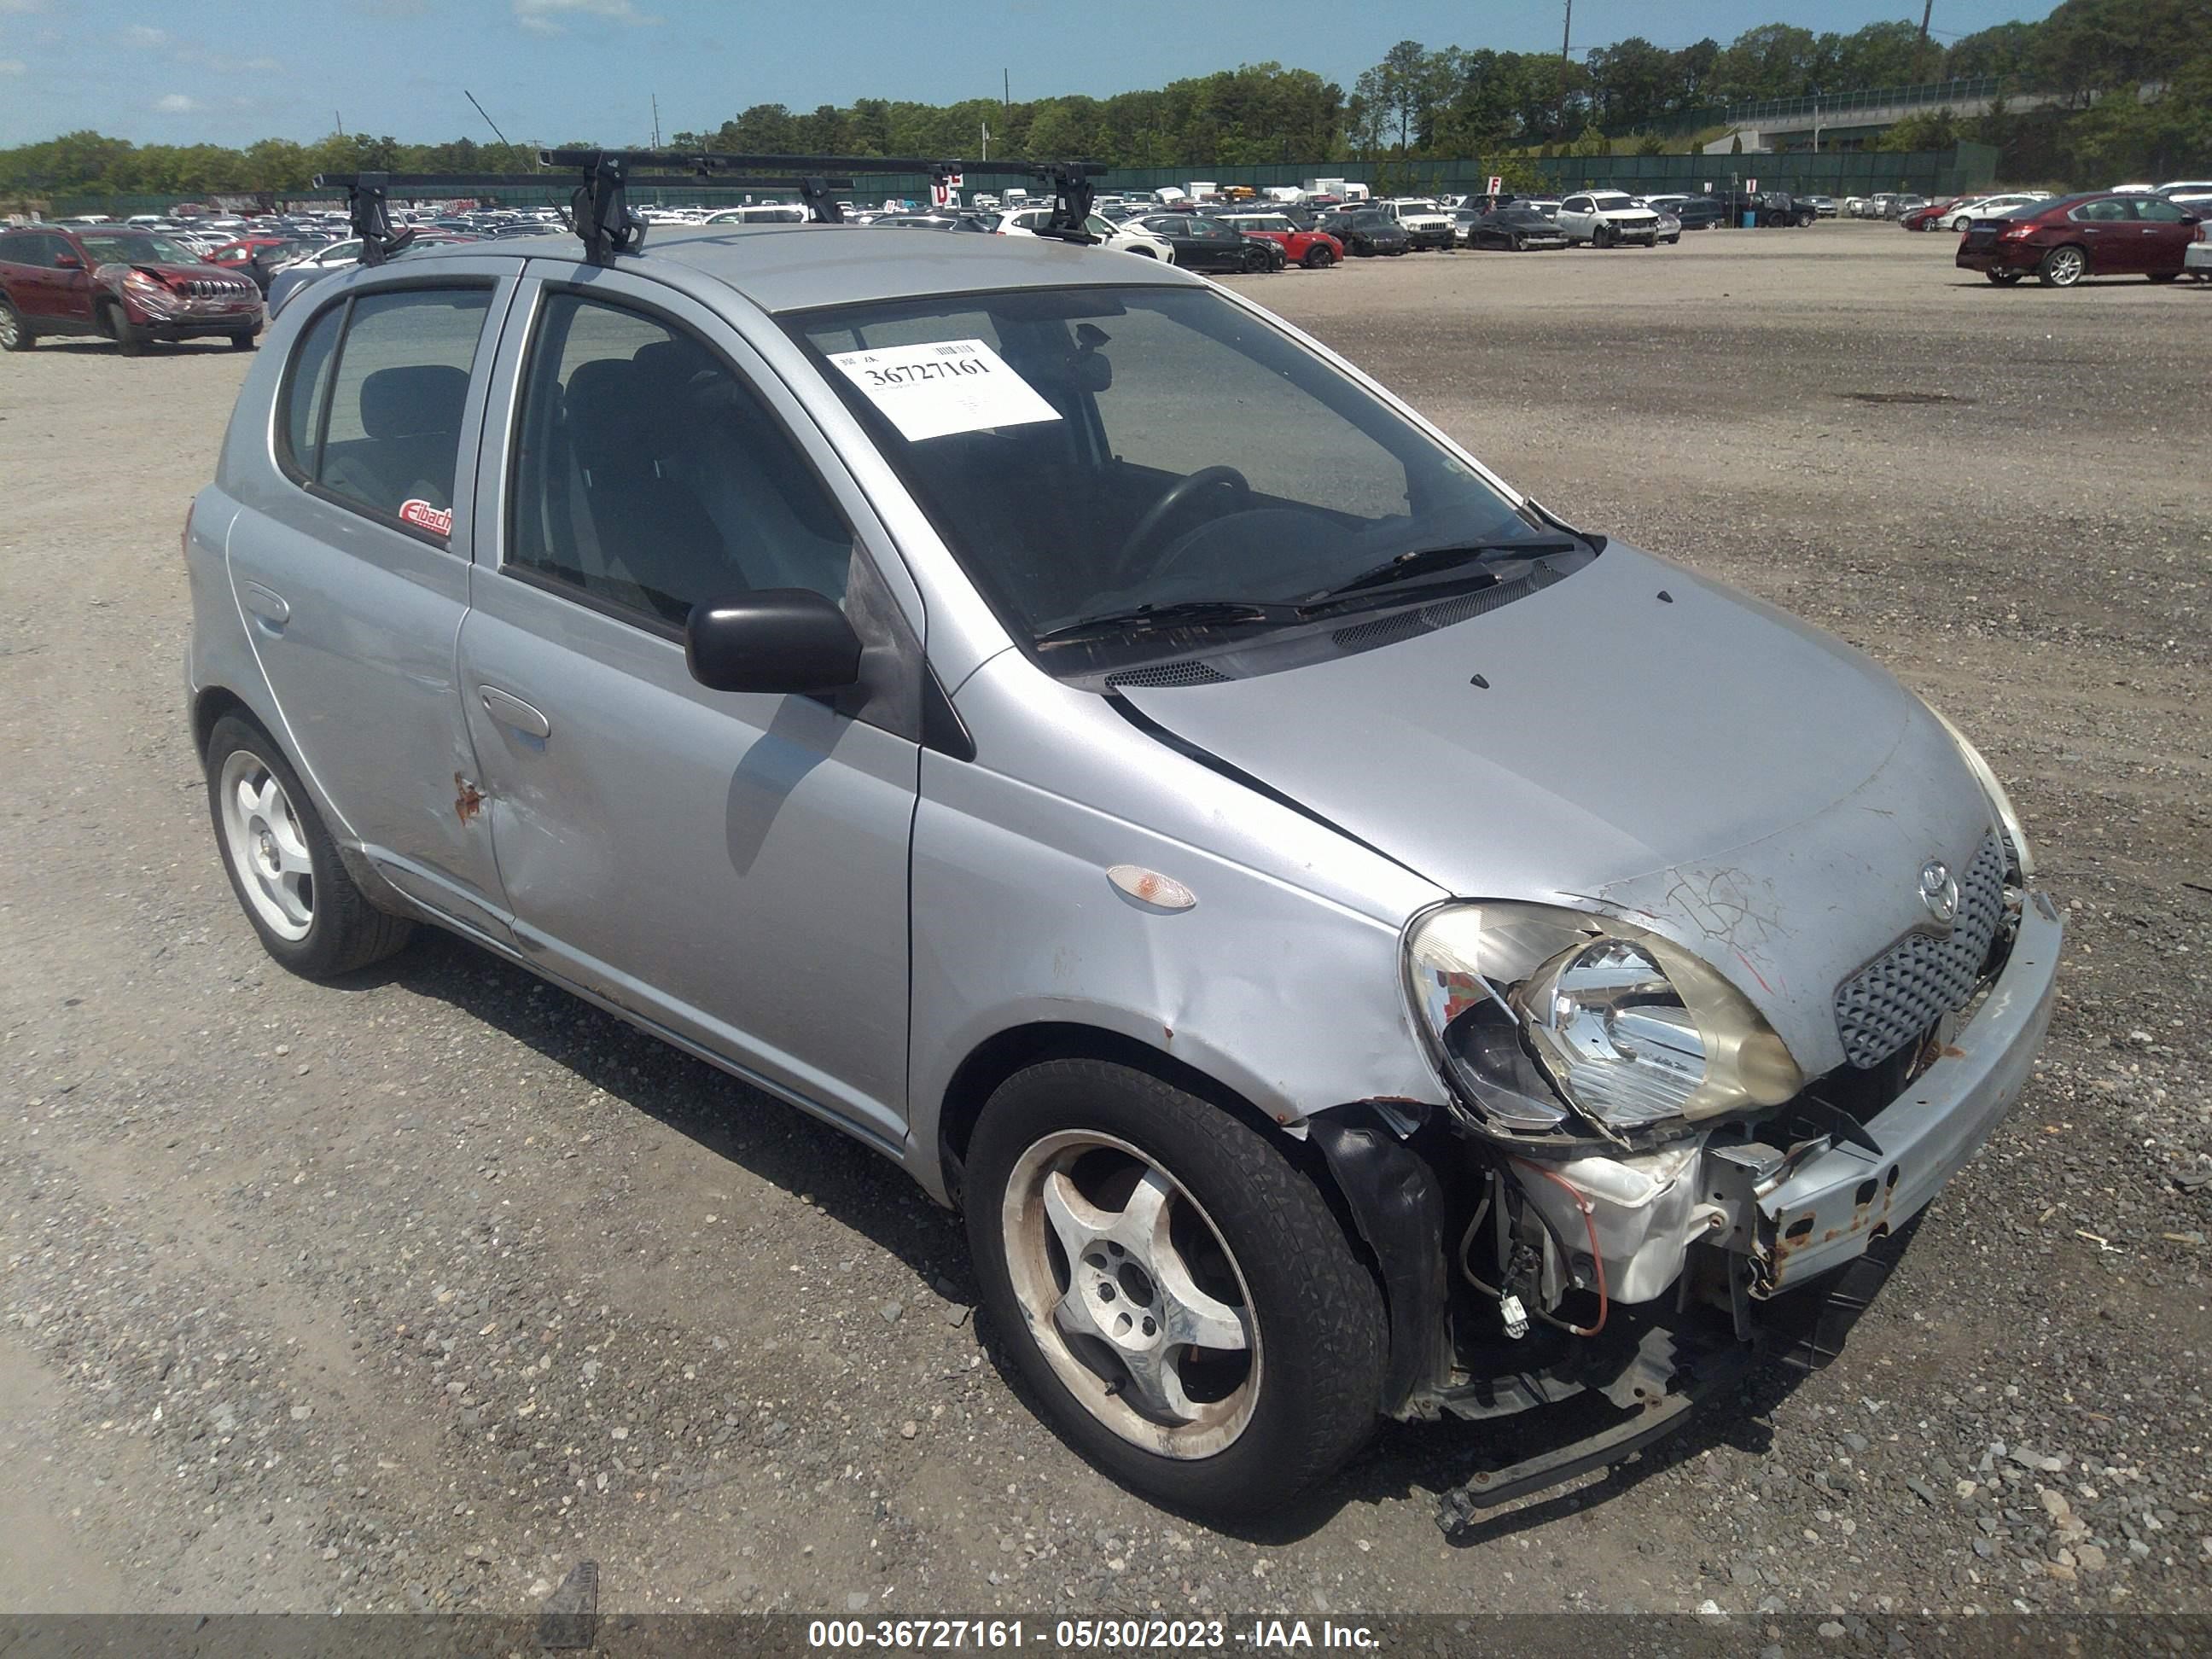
x=374 y=401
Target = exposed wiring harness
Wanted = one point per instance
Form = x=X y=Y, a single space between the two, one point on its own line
x=1598 y=1262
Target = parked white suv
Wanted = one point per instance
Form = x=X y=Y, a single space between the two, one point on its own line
x=1426 y=224
x=1605 y=217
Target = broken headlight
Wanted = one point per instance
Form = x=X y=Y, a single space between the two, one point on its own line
x=2000 y=803
x=1531 y=1008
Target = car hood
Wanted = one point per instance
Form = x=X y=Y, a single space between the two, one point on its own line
x=1637 y=740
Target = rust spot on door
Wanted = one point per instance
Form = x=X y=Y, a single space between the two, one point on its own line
x=468 y=800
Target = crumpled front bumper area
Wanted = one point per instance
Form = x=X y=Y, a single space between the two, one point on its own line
x=1798 y=1218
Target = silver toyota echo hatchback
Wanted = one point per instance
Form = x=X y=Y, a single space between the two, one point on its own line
x=1351 y=944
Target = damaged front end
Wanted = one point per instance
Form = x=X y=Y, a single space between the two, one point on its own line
x=1631 y=1167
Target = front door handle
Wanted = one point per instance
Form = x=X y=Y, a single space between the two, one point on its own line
x=510 y=710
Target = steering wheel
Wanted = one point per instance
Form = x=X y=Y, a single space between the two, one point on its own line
x=1206 y=478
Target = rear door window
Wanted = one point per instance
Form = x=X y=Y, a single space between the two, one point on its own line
x=374 y=401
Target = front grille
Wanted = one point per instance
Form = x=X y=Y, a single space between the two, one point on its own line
x=1921 y=978
x=1169 y=673
x=206 y=286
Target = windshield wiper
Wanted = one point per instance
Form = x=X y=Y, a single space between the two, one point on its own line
x=1163 y=618
x=1426 y=561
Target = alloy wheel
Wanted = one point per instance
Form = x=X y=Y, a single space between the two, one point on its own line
x=262 y=837
x=1134 y=1300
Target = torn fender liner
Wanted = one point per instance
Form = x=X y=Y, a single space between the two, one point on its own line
x=1396 y=1201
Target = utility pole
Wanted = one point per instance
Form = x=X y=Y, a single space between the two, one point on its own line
x=656 y=120
x=340 y=118
x=1566 y=38
x=1927 y=11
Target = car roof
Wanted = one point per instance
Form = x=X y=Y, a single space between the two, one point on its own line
x=799 y=267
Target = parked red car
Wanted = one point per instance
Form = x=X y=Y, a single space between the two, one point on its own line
x=1314 y=249
x=1929 y=217
x=2103 y=234
x=132 y=286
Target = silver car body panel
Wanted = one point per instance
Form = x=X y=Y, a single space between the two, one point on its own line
x=1651 y=774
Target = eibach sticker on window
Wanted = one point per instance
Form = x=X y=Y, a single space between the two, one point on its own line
x=438 y=520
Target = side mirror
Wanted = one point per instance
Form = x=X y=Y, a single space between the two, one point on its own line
x=785 y=641
x=68 y=262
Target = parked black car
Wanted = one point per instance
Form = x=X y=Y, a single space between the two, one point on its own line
x=1699 y=212
x=1516 y=230
x=1205 y=244
x=1772 y=207
x=1368 y=233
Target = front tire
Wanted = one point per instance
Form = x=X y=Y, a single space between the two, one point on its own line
x=16 y=334
x=282 y=864
x=244 y=343
x=1319 y=258
x=130 y=338
x=1179 y=1295
x=2165 y=275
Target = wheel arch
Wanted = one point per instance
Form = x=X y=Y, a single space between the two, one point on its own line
x=1017 y=1047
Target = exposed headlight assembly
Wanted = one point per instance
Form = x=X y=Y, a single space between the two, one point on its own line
x=2000 y=803
x=1535 y=1011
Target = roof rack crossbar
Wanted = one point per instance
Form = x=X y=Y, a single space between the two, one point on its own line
x=599 y=208
x=417 y=183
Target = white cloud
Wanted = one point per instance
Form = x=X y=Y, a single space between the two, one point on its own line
x=145 y=39
x=13 y=66
x=175 y=103
x=543 y=16
x=262 y=66
x=19 y=7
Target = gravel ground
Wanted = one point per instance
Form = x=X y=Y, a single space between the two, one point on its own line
x=412 y=1292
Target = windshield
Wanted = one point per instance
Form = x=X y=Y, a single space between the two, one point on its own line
x=137 y=248
x=1610 y=204
x=1085 y=453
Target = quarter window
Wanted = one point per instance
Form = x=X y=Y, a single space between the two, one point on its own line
x=650 y=476
x=376 y=422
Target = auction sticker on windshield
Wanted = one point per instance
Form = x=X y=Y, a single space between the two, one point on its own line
x=933 y=390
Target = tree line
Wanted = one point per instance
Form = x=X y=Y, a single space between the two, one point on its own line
x=2133 y=78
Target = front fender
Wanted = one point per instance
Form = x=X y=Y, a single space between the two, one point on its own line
x=1290 y=998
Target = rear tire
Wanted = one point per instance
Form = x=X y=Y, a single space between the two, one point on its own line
x=2063 y=267
x=282 y=864
x=16 y=334
x=1218 y=1233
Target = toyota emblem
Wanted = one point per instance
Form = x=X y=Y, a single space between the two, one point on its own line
x=1939 y=890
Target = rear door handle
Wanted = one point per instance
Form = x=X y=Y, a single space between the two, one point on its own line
x=510 y=710
x=267 y=603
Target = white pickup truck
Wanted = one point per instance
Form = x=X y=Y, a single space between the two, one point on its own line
x=1606 y=218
